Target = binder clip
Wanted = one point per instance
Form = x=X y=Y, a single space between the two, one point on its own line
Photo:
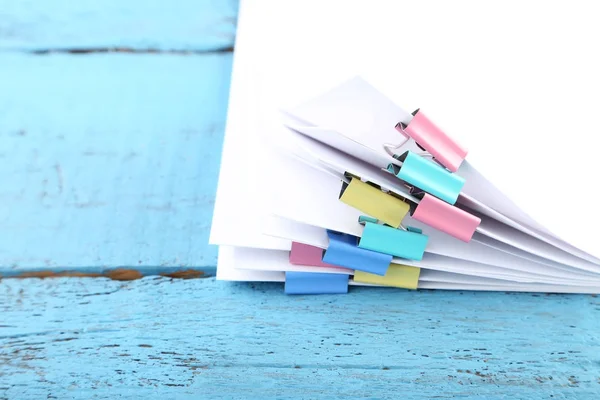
x=432 y=139
x=344 y=251
x=372 y=201
x=391 y=210
x=315 y=283
x=422 y=175
x=304 y=254
x=446 y=218
x=409 y=243
x=400 y=276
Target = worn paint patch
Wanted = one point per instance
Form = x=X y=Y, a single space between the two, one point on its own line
x=123 y=274
x=117 y=274
x=59 y=274
x=187 y=274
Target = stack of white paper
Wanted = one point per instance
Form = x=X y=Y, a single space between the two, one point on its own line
x=317 y=90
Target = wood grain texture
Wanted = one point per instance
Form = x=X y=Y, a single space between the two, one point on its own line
x=142 y=24
x=109 y=160
x=162 y=338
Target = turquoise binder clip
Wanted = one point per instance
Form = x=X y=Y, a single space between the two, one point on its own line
x=409 y=244
x=344 y=251
x=427 y=176
x=315 y=283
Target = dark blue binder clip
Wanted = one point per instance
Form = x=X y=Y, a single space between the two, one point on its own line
x=315 y=283
x=343 y=251
x=424 y=175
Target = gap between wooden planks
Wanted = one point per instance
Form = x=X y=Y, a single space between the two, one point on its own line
x=117 y=274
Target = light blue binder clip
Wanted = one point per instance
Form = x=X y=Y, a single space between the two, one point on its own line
x=427 y=176
x=409 y=244
x=344 y=251
x=315 y=283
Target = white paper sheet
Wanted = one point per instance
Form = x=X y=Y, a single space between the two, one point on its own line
x=235 y=217
x=279 y=262
x=321 y=207
x=276 y=261
x=502 y=265
x=357 y=119
x=463 y=80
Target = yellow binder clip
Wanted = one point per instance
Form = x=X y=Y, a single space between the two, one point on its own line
x=373 y=201
x=401 y=276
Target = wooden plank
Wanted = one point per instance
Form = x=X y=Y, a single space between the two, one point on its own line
x=109 y=160
x=142 y=24
x=161 y=338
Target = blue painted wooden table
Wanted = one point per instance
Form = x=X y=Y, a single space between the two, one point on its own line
x=111 y=120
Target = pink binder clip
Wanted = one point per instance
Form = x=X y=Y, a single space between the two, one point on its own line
x=433 y=140
x=446 y=218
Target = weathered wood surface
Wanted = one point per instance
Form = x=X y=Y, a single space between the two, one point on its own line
x=193 y=25
x=110 y=160
x=160 y=338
